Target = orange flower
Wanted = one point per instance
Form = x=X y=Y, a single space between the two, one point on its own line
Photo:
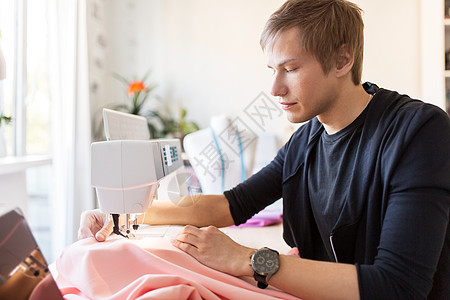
x=136 y=86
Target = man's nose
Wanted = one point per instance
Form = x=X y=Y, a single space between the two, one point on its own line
x=279 y=89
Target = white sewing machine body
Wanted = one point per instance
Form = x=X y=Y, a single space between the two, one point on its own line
x=128 y=170
x=126 y=173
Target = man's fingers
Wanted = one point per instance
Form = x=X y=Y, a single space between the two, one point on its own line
x=188 y=248
x=84 y=233
x=187 y=238
x=106 y=230
x=190 y=230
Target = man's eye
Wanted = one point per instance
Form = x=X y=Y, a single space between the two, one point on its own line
x=290 y=70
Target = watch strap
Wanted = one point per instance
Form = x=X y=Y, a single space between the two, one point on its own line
x=262 y=282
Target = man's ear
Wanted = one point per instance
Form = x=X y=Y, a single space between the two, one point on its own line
x=344 y=60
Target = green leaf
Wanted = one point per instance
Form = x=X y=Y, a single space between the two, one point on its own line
x=183 y=113
x=121 y=78
x=5 y=119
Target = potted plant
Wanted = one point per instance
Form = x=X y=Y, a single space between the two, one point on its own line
x=160 y=123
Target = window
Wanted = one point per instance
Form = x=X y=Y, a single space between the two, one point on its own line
x=24 y=95
x=25 y=90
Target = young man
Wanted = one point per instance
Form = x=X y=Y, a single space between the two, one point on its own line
x=365 y=183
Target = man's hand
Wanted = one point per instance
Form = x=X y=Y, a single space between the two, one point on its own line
x=215 y=249
x=96 y=224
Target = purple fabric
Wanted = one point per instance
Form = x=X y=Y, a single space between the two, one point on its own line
x=264 y=218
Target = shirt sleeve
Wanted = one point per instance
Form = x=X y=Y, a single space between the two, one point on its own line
x=414 y=234
x=257 y=192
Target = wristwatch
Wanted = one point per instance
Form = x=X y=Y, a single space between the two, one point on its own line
x=265 y=262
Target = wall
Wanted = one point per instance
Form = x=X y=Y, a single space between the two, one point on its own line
x=205 y=55
x=432 y=52
x=392 y=44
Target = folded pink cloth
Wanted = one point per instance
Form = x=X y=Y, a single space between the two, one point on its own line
x=264 y=218
x=149 y=268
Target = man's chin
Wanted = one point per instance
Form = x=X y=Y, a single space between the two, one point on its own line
x=296 y=118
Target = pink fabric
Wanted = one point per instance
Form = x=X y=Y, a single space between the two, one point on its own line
x=294 y=252
x=264 y=218
x=149 y=268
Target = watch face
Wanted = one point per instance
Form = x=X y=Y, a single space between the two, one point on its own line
x=265 y=261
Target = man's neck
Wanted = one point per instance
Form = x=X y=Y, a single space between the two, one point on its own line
x=348 y=105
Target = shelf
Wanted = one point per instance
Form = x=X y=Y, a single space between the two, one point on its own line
x=13 y=164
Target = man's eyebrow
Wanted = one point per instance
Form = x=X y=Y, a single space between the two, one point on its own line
x=283 y=62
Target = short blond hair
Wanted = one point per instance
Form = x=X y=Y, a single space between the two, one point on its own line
x=325 y=25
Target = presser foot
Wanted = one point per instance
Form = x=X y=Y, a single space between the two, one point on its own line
x=126 y=230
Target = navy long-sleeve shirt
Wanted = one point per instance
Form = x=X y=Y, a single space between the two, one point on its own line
x=394 y=220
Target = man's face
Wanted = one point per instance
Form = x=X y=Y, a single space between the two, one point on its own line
x=298 y=79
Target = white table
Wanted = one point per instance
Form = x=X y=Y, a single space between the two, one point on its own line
x=13 y=186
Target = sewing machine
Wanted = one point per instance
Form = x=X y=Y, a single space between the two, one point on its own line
x=127 y=173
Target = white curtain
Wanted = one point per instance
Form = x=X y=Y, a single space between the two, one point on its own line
x=71 y=129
